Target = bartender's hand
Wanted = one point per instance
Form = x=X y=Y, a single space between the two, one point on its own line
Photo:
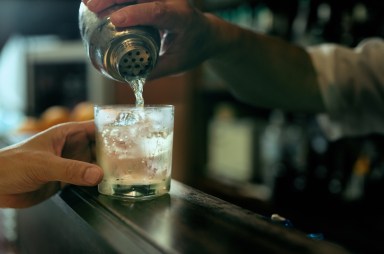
x=260 y=70
x=186 y=31
x=35 y=169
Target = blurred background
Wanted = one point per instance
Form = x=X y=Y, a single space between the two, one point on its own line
x=268 y=161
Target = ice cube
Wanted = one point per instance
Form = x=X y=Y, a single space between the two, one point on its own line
x=126 y=118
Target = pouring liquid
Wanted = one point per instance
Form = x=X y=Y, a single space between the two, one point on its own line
x=137 y=85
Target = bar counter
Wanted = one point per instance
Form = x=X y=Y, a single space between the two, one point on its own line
x=79 y=220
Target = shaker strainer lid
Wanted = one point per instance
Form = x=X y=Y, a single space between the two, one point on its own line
x=135 y=62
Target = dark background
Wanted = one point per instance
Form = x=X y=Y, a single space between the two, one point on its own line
x=39 y=17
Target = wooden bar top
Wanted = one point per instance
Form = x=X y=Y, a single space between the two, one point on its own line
x=79 y=220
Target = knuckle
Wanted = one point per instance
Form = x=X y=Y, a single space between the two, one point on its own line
x=71 y=174
x=159 y=10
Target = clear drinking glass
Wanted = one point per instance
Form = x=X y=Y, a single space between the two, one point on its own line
x=134 y=148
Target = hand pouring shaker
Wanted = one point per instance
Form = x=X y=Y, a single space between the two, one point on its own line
x=122 y=54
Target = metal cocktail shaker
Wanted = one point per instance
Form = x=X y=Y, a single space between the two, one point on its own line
x=122 y=54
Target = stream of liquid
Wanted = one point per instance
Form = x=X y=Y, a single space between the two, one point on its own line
x=137 y=86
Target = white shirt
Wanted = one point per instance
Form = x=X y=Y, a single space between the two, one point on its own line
x=352 y=86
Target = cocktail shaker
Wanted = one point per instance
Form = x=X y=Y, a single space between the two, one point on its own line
x=122 y=54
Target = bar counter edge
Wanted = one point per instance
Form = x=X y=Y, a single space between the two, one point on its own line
x=80 y=220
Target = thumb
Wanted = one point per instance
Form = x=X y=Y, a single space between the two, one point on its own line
x=72 y=171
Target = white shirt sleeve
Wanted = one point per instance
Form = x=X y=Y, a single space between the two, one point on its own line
x=352 y=86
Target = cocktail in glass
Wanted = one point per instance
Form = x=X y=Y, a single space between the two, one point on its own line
x=134 y=148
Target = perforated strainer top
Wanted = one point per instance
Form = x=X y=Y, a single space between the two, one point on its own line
x=136 y=62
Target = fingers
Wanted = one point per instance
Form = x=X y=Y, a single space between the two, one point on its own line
x=56 y=138
x=152 y=13
x=78 y=173
x=68 y=171
x=160 y=14
x=100 y=5
x=88 y=127
x=68 y=128
x=62 y=153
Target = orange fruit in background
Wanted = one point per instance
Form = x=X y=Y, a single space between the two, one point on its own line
x=30 y=125
x=83 y=111
x=54 y=115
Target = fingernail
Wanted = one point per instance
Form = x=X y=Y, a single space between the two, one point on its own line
x=92 y=175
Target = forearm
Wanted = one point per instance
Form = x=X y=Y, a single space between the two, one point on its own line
x=265 y=71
